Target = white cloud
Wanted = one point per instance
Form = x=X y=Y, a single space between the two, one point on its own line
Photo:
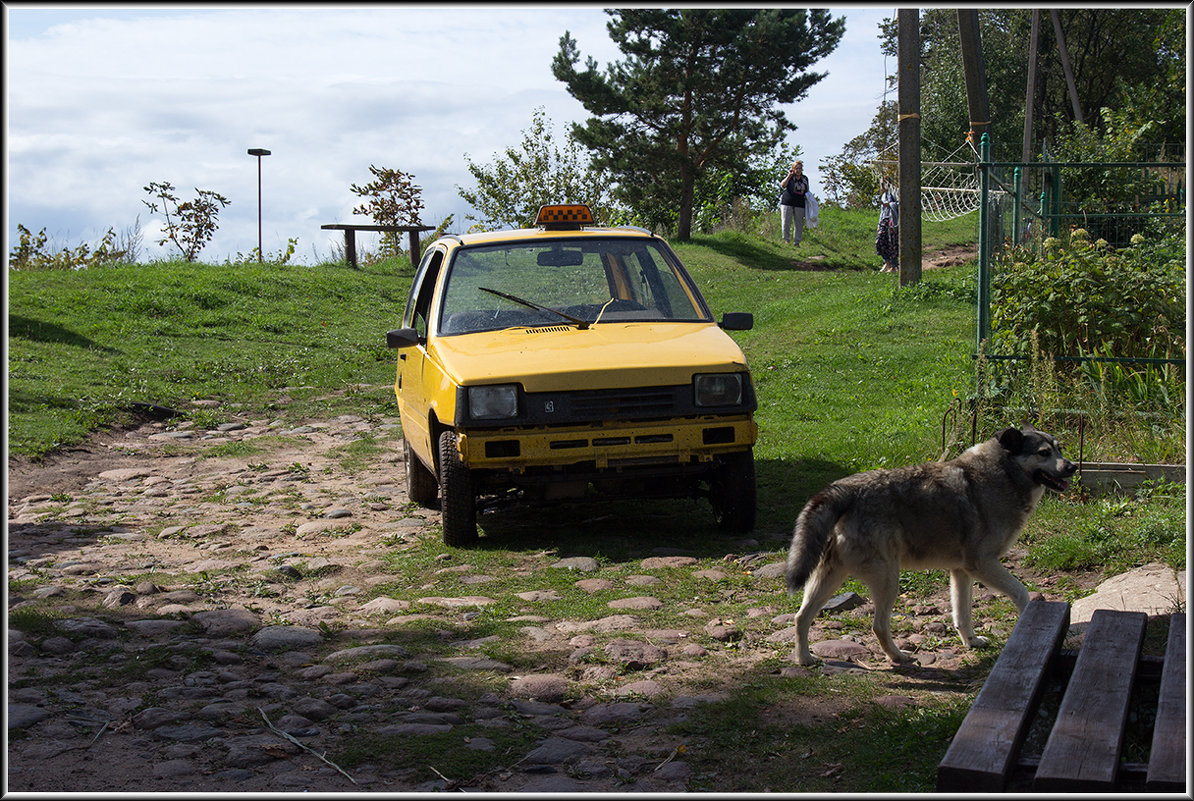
x=101 y=101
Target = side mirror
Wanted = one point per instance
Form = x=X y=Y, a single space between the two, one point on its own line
x=402 y=338
x=737 y=321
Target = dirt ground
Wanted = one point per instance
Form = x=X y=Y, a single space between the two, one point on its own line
x=150 y=499
x=951 y=256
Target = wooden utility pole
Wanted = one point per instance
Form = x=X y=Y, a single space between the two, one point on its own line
x=975 y=73
x=1065 y=65
x=908 y=107
x=1030 y=94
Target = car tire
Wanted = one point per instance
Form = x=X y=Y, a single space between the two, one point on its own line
x=421 y=486
x=733 y=494
x=458 y=504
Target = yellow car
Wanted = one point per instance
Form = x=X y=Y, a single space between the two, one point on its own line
x=565 y=360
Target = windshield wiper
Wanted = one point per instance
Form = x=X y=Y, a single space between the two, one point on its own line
x=579 y=323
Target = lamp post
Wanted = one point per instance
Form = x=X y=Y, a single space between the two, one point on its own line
x=259 y=152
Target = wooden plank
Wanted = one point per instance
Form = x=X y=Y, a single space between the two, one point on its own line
x=1167 y=761
x=368 y=227
x=982 y=753
x=1082 y=752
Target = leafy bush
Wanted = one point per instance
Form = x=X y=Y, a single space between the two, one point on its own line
x=34 y=252
x=543 y=169
x=282 y=257
x=1114 y=200
x=190 y=224
x=1086 y=298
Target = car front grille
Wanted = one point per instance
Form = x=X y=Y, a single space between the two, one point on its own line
x=624 y=403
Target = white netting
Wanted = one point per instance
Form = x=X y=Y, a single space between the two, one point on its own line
x=948 y=188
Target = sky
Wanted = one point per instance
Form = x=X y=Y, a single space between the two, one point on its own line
x=101 y=100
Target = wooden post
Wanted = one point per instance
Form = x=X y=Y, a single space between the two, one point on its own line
x=350 y=247
x=1065 y=65
x=414 y=248
x=908 y=38
x=1030 y=93
x=975 y=73
x=984 y=243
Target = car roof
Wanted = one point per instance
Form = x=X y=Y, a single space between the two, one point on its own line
x=523 y=234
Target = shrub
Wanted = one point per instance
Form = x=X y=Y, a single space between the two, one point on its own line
x=34 y=252
x=190 y=224
x=391 y=198
x=282 y=257
x=1084 y=297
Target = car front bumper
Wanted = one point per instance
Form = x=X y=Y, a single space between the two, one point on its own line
x=608 y=446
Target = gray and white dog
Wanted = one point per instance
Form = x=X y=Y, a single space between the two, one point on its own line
x=962 y=515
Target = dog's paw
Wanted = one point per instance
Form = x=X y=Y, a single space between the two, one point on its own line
x=901 y=657
x=806 y=659
x=978 y=642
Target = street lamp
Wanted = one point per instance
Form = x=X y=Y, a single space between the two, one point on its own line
x=259 y=152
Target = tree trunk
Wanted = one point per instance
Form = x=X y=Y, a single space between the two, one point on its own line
x=684 y=223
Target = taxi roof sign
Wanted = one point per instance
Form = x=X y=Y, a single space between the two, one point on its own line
x=564 y=216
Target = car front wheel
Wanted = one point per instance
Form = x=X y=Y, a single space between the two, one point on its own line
x=458 y=504
x=732 y=493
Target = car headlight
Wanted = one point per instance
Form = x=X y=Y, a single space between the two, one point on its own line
x=493 y=403
x=718 y=389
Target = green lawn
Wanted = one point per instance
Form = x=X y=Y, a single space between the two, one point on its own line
x=852 y=372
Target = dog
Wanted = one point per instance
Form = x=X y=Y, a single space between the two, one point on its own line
x=961 y=515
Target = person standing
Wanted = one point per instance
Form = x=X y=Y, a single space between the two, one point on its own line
x=887 y=237
x=791 y=203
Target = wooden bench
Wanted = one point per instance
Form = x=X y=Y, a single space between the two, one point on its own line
x=350 y=238
x=1099 y=686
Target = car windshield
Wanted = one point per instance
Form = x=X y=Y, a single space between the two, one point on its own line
x=583 y=281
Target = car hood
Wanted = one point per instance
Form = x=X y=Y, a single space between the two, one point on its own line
x=605 y=356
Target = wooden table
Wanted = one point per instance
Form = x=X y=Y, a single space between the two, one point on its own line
x=350 y=239
x=1085 y=737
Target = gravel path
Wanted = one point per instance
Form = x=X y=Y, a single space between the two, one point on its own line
x=194 y=681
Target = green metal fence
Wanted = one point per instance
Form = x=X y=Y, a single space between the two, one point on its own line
x=1021 y=205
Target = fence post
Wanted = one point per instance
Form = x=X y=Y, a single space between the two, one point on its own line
x=1016 y=207
x=1058 y=188
x=984 y=254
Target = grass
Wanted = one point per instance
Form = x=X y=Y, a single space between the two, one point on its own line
x=852 y=373
x=288 y=342
x=864 y=747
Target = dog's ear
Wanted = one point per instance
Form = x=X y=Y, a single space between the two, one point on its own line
x=1011 y=439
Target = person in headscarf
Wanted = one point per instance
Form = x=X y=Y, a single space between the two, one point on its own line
x=887 y=237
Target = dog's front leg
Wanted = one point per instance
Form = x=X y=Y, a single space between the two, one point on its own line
x=1000 y=579
x=961 y=601
x=995 y=576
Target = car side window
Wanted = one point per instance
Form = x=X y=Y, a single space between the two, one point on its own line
x=422 y=292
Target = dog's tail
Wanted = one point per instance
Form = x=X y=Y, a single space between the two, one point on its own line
x=813 y=526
